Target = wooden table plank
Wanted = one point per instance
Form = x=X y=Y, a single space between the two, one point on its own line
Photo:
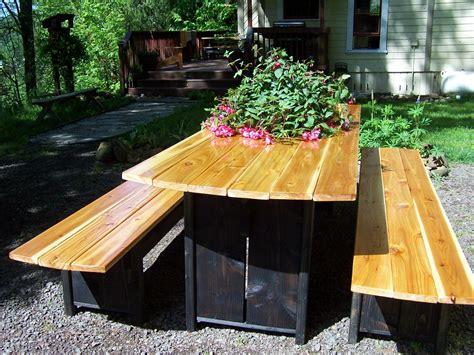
x=186 y=170
x=103 y=254
x=146 y=171
x=57 y=234
x=338 y=177
x=411 y=269
x=372 y=268
x=61 y=256
x=222 y=174
x=298 y=180
x=453 y=274
x=257 y=180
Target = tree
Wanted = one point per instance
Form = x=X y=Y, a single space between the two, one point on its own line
x=22 y=15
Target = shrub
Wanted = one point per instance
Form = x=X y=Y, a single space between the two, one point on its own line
x=282 y=99
x=384 y=129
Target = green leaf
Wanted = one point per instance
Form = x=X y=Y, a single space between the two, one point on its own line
x=279 y=73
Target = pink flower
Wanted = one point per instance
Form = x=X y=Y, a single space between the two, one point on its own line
x=351 y=101
x=222 y=130
x=268 y=140
x=253 y=133
x=312 y=135
x=276 y=66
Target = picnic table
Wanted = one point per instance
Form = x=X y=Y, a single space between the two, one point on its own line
x=249 y=220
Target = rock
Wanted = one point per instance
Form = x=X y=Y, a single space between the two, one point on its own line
x=440 y=171
x=317 y=347
x=120 y=151
x=105 y=152
x=134 y=156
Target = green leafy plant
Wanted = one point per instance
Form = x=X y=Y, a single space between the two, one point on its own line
x=385 y=129
x=284 y=99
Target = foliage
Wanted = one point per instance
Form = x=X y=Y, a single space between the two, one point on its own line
x=146 y=15
x=452 y=125
x=389 y=130
x=216 y=15
x=284 y=98
x=69 y=47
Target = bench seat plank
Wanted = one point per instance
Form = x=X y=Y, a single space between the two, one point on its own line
x=76 y=243
x=453 y=273
x=108 y=250
x=113 y=216
x=30 y=251
x=426 y=261
x=411 y=272
x=371 y=253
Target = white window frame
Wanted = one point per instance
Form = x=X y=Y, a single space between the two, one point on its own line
x=383 y=30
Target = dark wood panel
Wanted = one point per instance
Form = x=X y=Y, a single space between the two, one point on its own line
x=379 y=315
x=418 y=321
x=275 y=233
x=220 y=257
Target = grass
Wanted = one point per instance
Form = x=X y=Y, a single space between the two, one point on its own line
x=164 y=132
x=16 y=128
x=452 y=126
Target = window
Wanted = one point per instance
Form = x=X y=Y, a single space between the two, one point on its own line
x=300 y=9
x=367 y=26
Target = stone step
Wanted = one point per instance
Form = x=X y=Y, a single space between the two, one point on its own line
x=171 y=91
x=197 y=74
x=188 y=83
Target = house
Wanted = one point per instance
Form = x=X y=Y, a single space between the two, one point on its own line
x=396 y=46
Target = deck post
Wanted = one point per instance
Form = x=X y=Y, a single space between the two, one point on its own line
x=189 y=262
x=303 y=277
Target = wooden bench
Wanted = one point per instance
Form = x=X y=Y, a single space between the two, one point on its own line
x=408 y=267
x=47 y=103
x=100 y=248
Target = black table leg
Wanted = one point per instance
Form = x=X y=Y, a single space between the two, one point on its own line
x=189 y=261
x=68 y=297
x=303 y=277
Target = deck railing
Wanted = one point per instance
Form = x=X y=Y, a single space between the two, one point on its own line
x=136 y=43
x=300 y=42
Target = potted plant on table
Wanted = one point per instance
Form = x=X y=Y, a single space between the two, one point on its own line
x=282 y=99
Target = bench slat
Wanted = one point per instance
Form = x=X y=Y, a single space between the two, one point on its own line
x=338 y=178
x=104 y=254
x=34 y=248
x=411 y=270
x=448 y=260
x=372 y=270
x=61 y=256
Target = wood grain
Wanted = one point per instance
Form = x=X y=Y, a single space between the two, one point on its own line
x=453 y=273
x=193 y=165
x=372 y=273
x=107 y=251
x=222 y=174
x=62 y=255
x=298 y=180
x=258 y=179
x=34 y=248
x=146 y=171
x=411 y=272
x=338 y=177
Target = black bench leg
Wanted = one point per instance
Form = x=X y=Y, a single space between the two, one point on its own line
x=45 y=109
x=137 y=289
x=355 y=318
x=68 y=296
x=441 y=336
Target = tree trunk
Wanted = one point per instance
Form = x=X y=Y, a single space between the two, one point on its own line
x=25 y=18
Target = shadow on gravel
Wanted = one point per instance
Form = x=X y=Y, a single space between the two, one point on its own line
x=39 y=189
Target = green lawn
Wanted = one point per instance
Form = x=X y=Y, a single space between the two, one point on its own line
x=17 y=127
x=451 y=129
x=164 y=132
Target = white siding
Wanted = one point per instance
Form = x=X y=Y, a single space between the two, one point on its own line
x=452 y=43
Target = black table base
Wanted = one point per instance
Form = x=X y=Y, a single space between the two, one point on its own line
x=247 y=262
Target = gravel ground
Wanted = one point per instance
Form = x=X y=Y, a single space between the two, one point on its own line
x=44 y=186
